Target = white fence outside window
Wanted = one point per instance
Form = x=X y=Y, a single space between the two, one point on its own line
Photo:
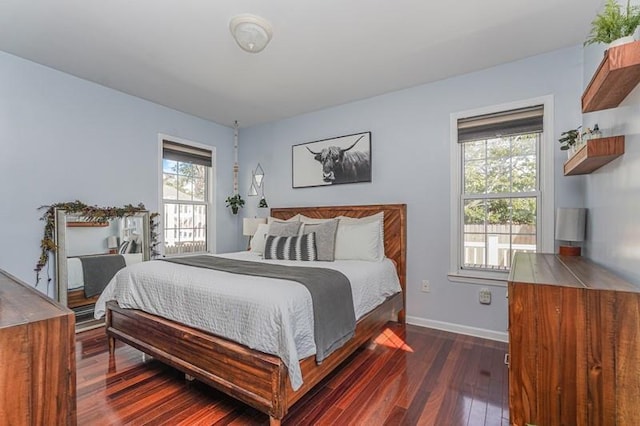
x=498 y=255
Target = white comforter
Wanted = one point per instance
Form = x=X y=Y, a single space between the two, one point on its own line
x=270 y=315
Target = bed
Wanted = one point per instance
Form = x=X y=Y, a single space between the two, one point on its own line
x=254 y=377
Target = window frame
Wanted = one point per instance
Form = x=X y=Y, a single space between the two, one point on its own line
x=545 y=219
x=210 y=203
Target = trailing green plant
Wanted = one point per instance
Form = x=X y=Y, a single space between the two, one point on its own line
x=153 y=234
x=569 y=138
x=613 y=24
x=89 y=214
x=235 y=202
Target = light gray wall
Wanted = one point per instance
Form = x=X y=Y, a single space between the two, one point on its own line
x=66 y=139
x=613 y=191
x=89 y=240
x=410 y=150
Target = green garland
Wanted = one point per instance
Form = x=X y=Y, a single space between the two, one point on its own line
x=90 y=214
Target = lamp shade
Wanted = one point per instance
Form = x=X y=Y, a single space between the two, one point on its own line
x=250 y=225
x=570 y=224
x=112 y=242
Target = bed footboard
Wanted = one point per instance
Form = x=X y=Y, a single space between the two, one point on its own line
x=253 y=377
x=258 y=379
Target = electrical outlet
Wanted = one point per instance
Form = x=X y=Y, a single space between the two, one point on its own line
x=485 y=296
x=426 y=286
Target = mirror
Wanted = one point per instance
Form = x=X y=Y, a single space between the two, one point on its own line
x=88 y=255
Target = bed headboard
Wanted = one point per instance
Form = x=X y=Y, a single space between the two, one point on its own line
x=395 y=229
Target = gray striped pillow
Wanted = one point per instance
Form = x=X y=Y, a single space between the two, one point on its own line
x=291 y=248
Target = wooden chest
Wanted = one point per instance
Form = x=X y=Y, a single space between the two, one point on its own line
x=37 y=357
x=574 y=343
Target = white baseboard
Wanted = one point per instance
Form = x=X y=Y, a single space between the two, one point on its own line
x=460 y=329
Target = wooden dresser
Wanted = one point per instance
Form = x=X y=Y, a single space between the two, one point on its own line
x=37 y=357
x=574 y=343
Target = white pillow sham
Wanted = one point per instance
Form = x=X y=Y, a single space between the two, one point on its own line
x=259 y=239
x=342 y=243
x=359 y=241
x=312 y=220
x=272 y=219
x=378 y=217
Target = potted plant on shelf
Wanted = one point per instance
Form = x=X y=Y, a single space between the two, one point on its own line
x=235 y=202
x=569 y=140
x=614 y=27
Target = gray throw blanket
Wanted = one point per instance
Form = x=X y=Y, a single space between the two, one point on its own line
x=333 y=316
x=98 y=270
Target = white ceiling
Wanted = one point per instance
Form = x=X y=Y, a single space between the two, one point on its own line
x=180 y=53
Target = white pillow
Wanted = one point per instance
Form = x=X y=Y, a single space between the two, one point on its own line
x=311 y=220
x=359 y=241
x=374 y=218
x=259 y=239
x=295 y=218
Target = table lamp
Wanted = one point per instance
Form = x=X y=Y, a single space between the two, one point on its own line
x=570 y=227
x=112 y=244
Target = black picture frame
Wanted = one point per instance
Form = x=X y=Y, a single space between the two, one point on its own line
x=332 y=161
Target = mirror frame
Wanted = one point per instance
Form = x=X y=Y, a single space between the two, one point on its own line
x=60 y=235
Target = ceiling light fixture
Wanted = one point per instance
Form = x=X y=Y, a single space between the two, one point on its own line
x=252 y=33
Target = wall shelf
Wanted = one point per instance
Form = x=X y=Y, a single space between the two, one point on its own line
x=594 y=154
x=617 y=75
x=87 y=224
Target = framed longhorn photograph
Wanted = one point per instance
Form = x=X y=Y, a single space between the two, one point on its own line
x=345 y=159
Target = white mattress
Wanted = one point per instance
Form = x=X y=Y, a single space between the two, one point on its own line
x=270 y=315
x=75 y=274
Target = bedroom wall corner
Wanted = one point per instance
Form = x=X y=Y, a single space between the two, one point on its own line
x=66 y=139
x=410 y=164
x=612 y=193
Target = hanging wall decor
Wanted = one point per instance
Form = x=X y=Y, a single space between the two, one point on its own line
x=235 y=201
x=257 y=182
x=345 y=159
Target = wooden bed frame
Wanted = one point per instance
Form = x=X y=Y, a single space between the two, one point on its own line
x=258 y=379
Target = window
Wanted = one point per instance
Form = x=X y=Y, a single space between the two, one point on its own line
x=186 y=197
x=500 y=201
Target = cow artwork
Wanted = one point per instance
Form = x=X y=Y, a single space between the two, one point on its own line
x=342 y=160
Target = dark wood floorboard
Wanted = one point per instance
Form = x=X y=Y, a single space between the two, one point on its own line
x=407 y=376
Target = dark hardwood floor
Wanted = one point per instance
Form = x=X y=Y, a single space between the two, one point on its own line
x=408 y=376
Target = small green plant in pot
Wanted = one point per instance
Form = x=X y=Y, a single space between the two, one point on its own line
x=613 y=24
x=235 y=202
x=569 y=138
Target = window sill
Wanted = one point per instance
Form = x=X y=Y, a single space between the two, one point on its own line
x=192 y=253
x=498 y=280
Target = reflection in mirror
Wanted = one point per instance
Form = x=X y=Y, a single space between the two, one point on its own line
x=90 y=253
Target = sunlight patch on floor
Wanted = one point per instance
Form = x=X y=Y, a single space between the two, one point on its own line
x=391 y=340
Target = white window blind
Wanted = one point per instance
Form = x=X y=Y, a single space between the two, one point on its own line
x=500 y=191
x=186 y=175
